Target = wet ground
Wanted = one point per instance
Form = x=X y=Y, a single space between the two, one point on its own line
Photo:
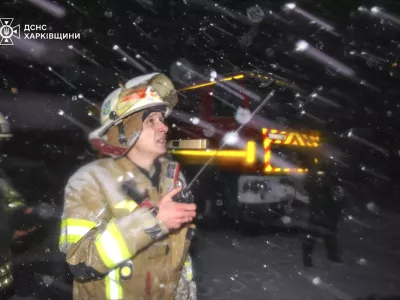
x=266 y=265
x=269 y=265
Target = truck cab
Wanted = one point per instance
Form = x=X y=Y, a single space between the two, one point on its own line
x=249 y=171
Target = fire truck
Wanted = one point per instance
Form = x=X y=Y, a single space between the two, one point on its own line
x=258 y=173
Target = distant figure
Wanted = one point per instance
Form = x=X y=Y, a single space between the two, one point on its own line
x=14 y=220
x=327 y=196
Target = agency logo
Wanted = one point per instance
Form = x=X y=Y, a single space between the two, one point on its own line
x=7 y=31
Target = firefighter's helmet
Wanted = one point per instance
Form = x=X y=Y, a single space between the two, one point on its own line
x=122 y=112
x=5 y=131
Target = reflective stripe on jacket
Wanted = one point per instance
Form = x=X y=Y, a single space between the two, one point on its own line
x=116 y=249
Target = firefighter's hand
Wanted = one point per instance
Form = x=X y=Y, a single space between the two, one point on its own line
x=174 y=214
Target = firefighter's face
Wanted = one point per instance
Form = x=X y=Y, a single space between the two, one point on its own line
x=152 y=140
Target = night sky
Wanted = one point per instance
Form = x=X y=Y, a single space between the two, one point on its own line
x=352 y=87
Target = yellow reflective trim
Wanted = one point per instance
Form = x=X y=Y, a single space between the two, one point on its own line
x=129 y=205
x=220 y=153
x=268 y=168
x=103 y=253
x=77 y=222
x=15 y=204
x=112 y=247
x=239 y=76
x=6 y=281
x=251 y=152
x=69 y=238
x=119 y=287
x=120 y=240
x=72 y=230
x=189 y=269
x=267 y=156
x=108 y=286
x=113 y=287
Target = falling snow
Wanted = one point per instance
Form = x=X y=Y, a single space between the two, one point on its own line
x=293 y=66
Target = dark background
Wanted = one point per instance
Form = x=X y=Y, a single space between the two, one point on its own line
x=47 y=147
x=31 y=96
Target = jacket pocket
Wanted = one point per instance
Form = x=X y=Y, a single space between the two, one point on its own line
x=158 y=250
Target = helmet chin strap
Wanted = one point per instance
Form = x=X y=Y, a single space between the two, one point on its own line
x=122 y=136
x=121 y=132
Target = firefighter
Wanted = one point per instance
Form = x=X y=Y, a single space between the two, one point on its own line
x=130 y=242
x=13 y=216
x=327 y=194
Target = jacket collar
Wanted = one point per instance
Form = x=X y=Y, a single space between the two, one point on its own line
x=129 y=166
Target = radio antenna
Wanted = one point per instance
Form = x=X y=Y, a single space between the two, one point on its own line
x=270 y=95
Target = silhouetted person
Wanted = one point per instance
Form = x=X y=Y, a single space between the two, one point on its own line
x=327 y=196
x=14 y=219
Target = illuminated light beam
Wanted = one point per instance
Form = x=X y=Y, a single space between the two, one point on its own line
x=249 y=155
x=74 y=121
x=367 y=143
x=31 y=47
x=93 y=116
x=325 y=286
x=197 y=86
x=276 y=80
x=227 y=84
x=141 y=30
x=304 y=113
x=222 y=82
x=325 y=100
x=223 y=101
x=278 y=17
x=184 y=130
x=369 y=55
x=203 y=31
x=71 y=47
x=224 y=11
x=369 y=85
x=187 y=68
x=52 y=8
x=151 y=65
x=242 y=90
x=313 y=53
x=61 y=77
x=261 y=105
x=221 y=79
x=188 y=119
x=130 y=59
x=221 y=56
x=222 y=30
x=78 y=9
x=310 y=17
x=80 y=96
x=378 y=12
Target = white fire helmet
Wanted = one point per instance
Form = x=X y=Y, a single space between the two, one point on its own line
x=122 y=111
